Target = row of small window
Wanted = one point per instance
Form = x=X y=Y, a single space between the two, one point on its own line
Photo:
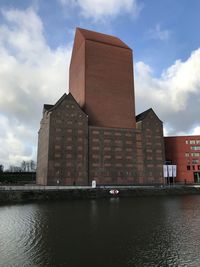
x=192 y=142
x=129 y=165
x=96 y=132
x=195 y=147
x=120 y=142
x=192 y=167
x=187 y=154
x=197 y=154
x=109 y=174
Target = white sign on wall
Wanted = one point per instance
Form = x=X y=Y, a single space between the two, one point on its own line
x=165 y=172
x=94 y=184
x=174 y=168
x=169 y=170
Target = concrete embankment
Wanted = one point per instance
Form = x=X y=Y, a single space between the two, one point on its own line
x=23 y=194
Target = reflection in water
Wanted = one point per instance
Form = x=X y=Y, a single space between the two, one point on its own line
x=162 y=231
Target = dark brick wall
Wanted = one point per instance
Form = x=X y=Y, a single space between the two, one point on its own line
x=112 y=155
x=140 y=158
x=68 y=151
x=67 y=145
x=152 y=148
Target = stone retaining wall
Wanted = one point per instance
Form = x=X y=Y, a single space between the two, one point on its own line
x=27 y=195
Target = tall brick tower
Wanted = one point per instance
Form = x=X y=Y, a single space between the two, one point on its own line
x=101 y=79
x=92 y=133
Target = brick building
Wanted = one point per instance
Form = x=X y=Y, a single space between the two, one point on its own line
x=184 y=151
x=92 y=133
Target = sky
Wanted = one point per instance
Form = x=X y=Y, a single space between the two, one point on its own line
x=36 y=39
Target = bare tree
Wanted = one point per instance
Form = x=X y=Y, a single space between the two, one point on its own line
x=1 y=168
x=13 y=168
x=33 y=165
x=23 y=166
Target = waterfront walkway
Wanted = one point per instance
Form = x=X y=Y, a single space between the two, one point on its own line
x=42 y=187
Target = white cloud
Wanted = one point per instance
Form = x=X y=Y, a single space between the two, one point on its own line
x=100 y=10
x=196 y=131
x=158 y=34
x=175 y=96
x=31 y=74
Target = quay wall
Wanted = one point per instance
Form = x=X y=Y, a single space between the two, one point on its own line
x=20 y=194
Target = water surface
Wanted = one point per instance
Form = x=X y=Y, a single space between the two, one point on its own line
x=149 y=231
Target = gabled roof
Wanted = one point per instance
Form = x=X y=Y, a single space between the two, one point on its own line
x=143 y=115
x=47 y=106
x=65 y=96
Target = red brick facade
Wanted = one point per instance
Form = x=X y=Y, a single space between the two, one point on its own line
x=184 y=151
x=101 y=79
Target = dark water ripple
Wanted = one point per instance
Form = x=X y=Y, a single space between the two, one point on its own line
x=149 y=232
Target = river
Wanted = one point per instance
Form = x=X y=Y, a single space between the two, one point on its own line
x=140 y=231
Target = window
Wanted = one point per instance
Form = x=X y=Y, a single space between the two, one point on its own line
x=107 y=156
x=195 y=161
x=198 y=167
x=95 y=132
x=197 y=141
x=95 y=139
x=95 y=148
x=195 y=154
x=187 y=154
x=118 y=149
x=188 y=167
x=193 y=167
x=195 y=147
x=118 y=141
x=192 y=142
x=186 y=141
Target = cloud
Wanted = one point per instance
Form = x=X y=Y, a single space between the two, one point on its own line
x=31 y=74
x=100 y=10
x=196 y=130
x=175 y=95
x=158 y=34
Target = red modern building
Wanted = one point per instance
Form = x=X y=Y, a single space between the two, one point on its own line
x=184 y=151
